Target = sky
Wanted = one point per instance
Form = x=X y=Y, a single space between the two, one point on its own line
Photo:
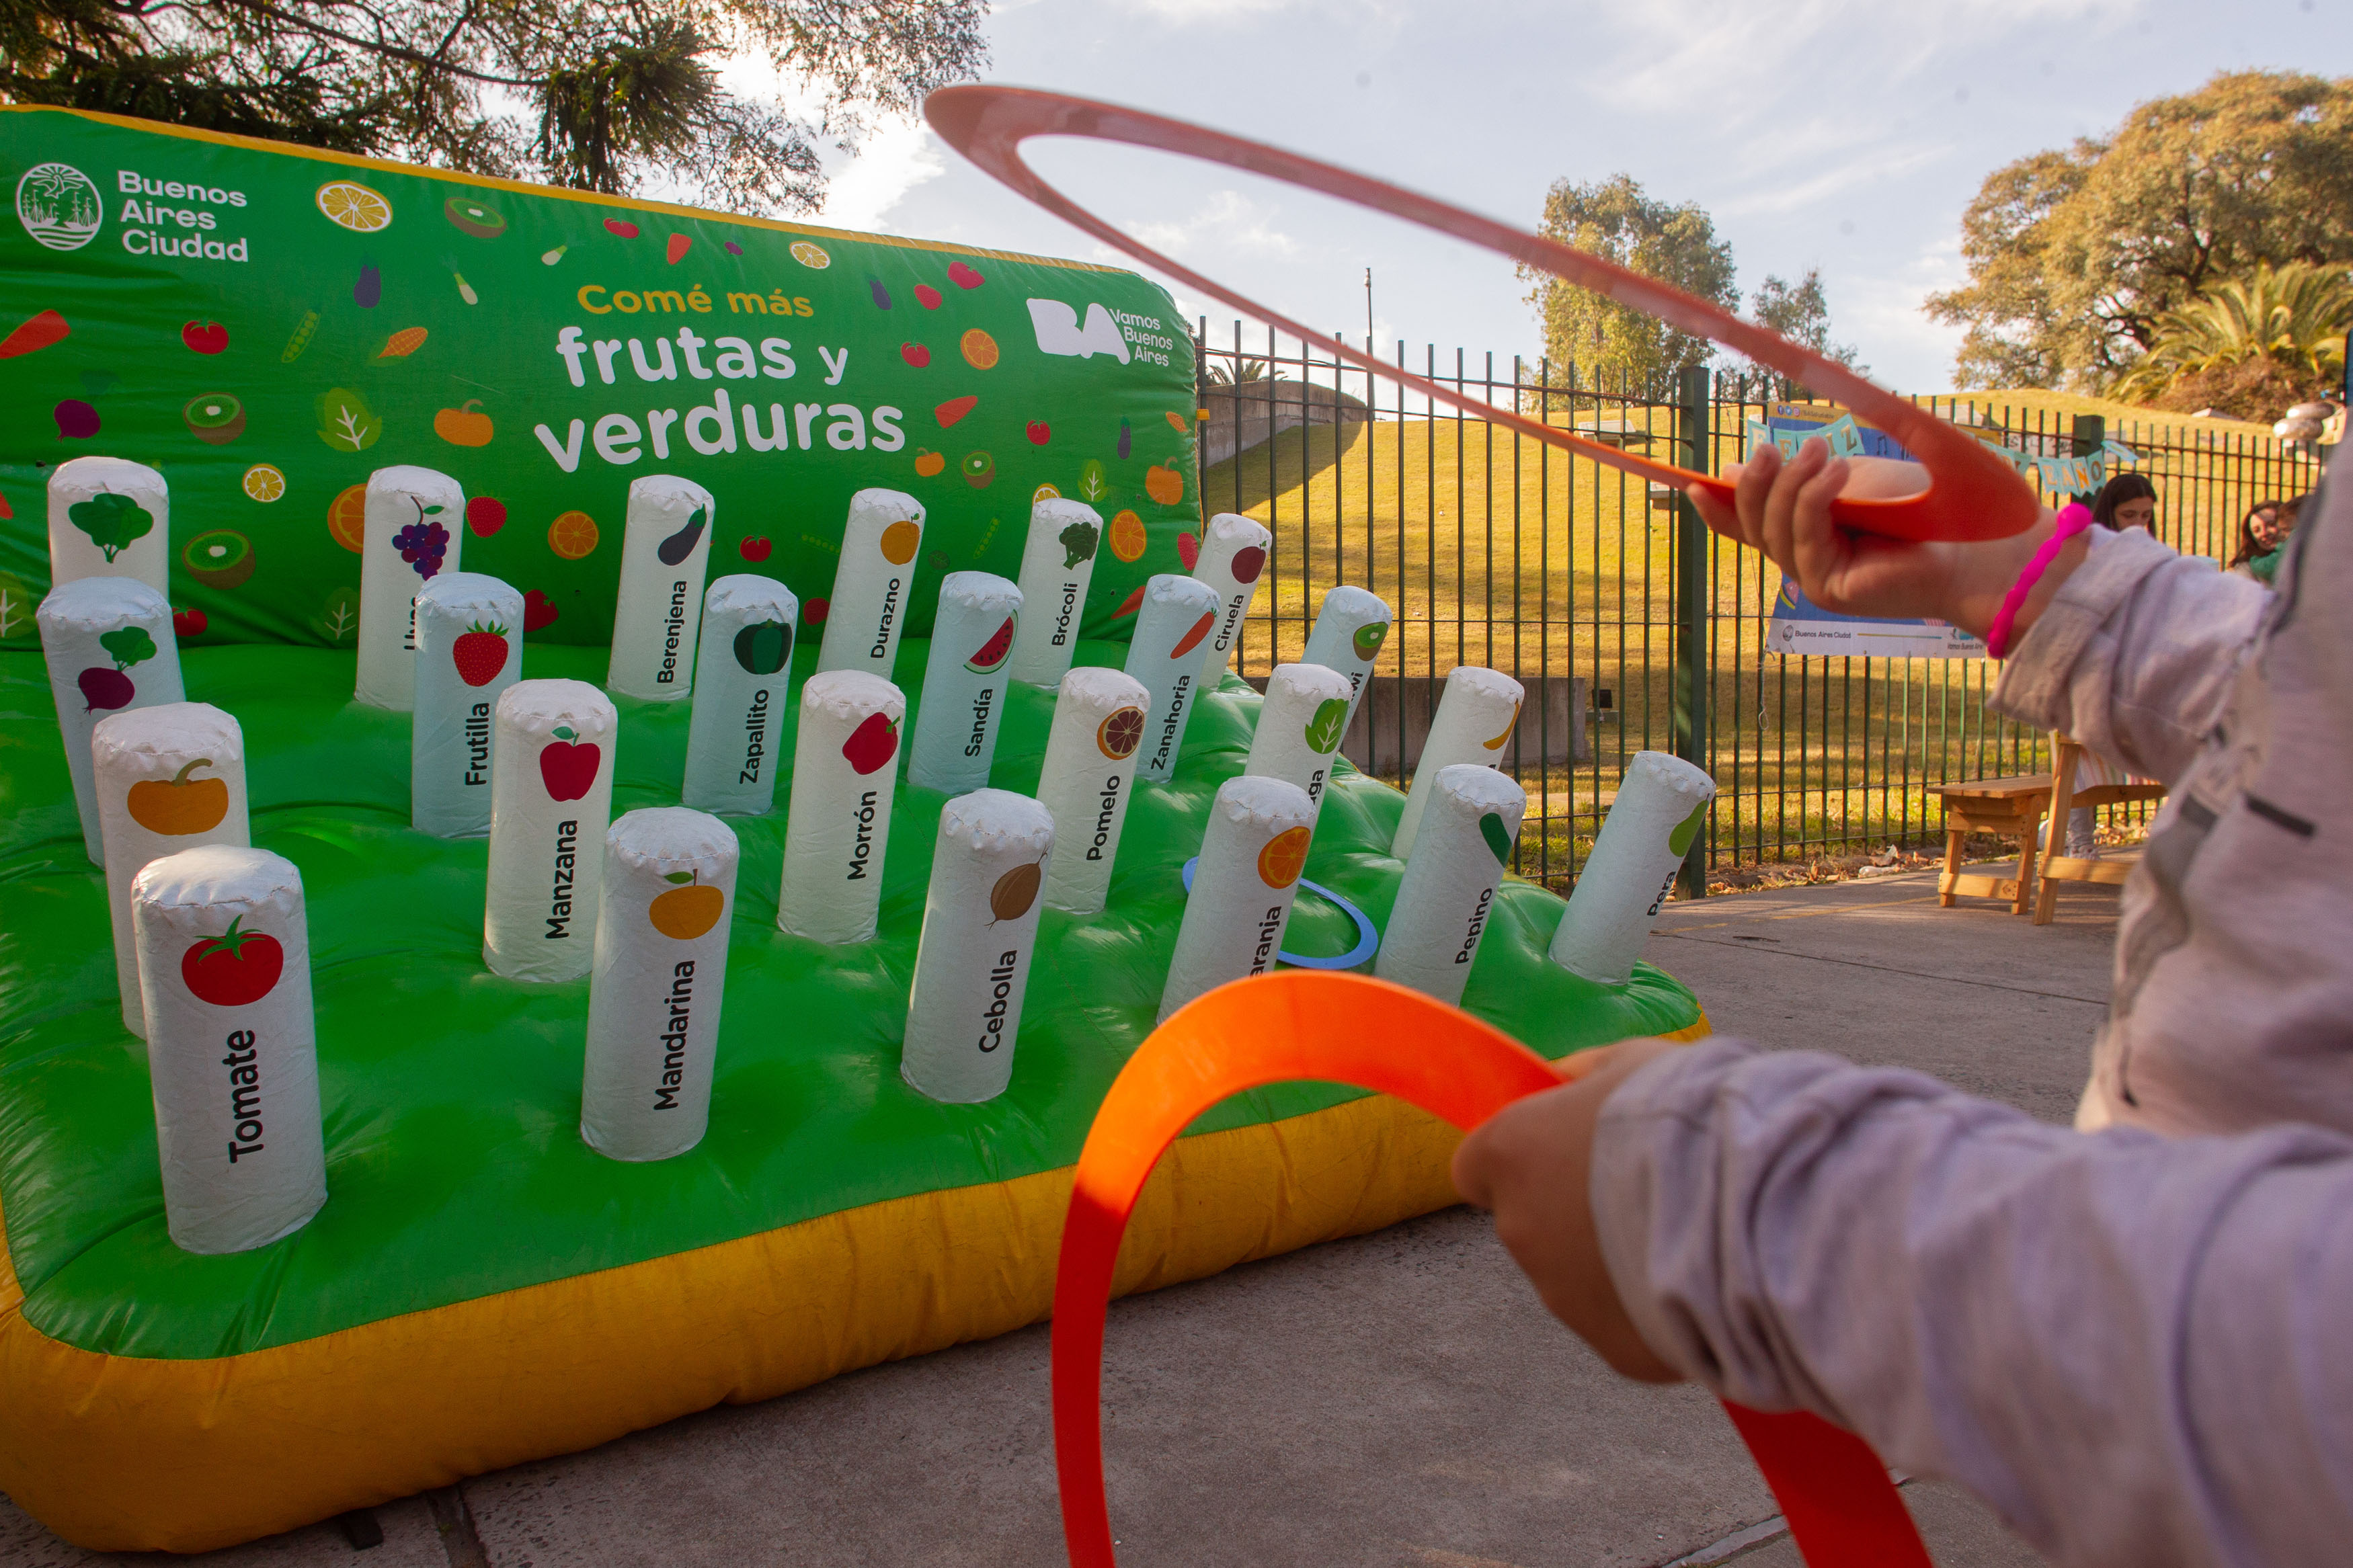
x=1843 y=134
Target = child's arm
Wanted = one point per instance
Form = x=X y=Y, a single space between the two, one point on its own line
x=2123 y=644
x=2136 y=1349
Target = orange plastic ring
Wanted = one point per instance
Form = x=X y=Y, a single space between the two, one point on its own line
x=1344 y=1028
x=1972 y=494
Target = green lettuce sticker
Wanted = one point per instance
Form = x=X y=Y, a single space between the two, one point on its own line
x=128 y=646
x=345 y=421
x=112 y=520
x=339 y=614
x=1090 y=481
x=1324 y=730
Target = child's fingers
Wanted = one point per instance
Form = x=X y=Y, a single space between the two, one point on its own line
x=1782 y=501
x=1749 y=490
x=1818 y=545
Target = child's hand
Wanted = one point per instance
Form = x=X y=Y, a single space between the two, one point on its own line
x=1783 y=510
x=1530 y=1164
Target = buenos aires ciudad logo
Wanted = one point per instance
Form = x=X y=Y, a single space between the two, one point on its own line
x=58 y=205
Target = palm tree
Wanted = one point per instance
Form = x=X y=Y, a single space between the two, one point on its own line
x=2273 y=337
x=1244 y=371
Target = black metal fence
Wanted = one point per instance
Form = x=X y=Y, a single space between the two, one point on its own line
x=1632 y=628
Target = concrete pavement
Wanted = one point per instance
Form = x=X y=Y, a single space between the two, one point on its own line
x=1394 y=1401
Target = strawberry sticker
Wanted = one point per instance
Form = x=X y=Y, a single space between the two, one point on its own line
x=235 y=969
x=480 y=653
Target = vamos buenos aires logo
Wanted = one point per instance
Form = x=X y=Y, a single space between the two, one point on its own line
x=59 y=206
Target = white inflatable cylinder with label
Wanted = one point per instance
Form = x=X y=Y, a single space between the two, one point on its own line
x=665 y=552
x=468 y=651
x=550 y=801
x=412 y=530
x=169 y=778
x=1178 y=616
x=1350 y=628
x=1252 y=855
x=110 y=517
x=742 y=675
x=1233 y=560
x=972 y=638
x=1299 y=726
x=663 y=916
x=232 y=1053
x=1448 y=892
x=870 y=583
x=1476 y=713
x=1661 y=806
x=108 y=646
x=980 y=930
x=838 y=822
x=1058 y=562
x=1088 y=779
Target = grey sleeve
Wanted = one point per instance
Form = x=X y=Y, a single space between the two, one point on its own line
x=2136 y=1349
x=2135 y=654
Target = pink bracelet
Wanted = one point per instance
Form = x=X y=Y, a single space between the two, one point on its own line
x=2074 y=518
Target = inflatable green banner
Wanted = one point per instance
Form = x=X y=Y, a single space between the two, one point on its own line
x=268 y=325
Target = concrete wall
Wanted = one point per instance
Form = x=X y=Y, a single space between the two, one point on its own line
x=1254 y=412
x=1372 y=741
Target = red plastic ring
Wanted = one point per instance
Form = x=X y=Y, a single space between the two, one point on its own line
x=1972 y=493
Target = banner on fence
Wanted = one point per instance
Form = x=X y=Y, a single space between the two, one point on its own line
x=269 y=324
x=1802 y=627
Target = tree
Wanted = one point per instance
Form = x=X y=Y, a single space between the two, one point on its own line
x=2252 y=347
x=605 y=97
x=1607 y=342
x=2075 y=256
x=1801 y=312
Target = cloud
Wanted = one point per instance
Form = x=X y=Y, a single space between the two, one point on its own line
x=1881 y=315
x=1231 y=224
x=890 y=161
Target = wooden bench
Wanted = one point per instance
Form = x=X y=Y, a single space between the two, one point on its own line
x=2057 y=867
x=2010 y=808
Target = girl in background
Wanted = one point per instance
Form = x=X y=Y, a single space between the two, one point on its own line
x=2128 y=500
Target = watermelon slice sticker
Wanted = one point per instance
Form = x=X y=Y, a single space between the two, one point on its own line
x=996 y=651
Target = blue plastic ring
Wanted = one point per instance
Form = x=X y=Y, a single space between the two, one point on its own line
x=1368 y=940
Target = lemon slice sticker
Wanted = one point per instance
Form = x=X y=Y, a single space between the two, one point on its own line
x=809 y=255
x=264 y=483
x=353 y=206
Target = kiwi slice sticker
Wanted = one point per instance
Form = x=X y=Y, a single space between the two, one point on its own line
x=475 y=218
x=214 y=417
x=218 y=558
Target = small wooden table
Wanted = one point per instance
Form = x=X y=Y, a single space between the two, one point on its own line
x=2011 y=807
x=2065 y=753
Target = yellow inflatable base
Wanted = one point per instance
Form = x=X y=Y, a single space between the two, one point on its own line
x=118 y=1454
